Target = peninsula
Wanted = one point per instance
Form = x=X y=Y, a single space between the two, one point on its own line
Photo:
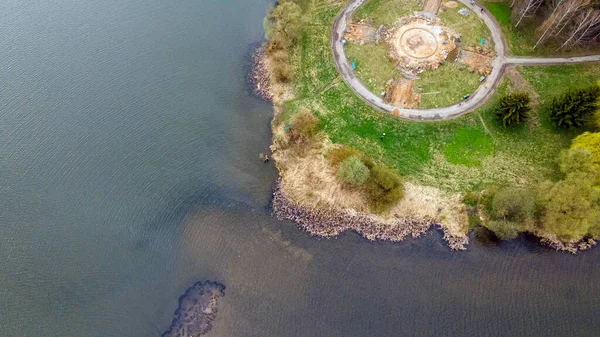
x=392 y=116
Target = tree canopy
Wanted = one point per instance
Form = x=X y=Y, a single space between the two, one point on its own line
x=573 y=108
x=284 y=20
x=591 y=142
x=571 y=207
x=513 y=109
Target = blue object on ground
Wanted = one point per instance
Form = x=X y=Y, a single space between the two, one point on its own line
x=482 y=40
x=353 y=65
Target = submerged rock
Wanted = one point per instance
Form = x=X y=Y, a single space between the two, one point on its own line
x=197 y=309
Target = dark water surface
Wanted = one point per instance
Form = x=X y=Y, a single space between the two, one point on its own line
x=129 y=171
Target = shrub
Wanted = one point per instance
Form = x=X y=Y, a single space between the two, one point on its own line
x=353 y=172
x=504 y=229
x=304 y=125
x=513 y=109
x=513 y=204
x=384 y=188
x=574 y=107
x=337 y=155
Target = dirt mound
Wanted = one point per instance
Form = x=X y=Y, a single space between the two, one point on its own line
x=479 y=63
x=432 y=6
x=418 y=43
x=451 y=4
x=360 y=32
x=401 y=93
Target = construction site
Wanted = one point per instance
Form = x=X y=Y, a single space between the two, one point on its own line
x=417 y=45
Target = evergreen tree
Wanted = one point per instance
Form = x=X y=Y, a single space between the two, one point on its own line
x=513 y=108
x=575 y=107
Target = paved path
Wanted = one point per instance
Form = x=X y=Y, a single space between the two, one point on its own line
x=477 y=98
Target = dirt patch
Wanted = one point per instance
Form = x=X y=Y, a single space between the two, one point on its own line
x=401 y=93
x=418 y=43
x=451 y=4
x=360 y=32
x=432 y=6
x=478 y=63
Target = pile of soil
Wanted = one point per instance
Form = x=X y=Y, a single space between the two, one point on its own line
x=360 y=32
x=401 y=93
x=479 y=63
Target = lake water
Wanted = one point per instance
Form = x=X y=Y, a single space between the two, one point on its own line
x=129 y=170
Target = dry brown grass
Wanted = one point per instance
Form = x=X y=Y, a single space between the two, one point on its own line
x=309 y=178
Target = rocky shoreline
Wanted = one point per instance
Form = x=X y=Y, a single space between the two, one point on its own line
x=331 y=222
x=572 y=247
x=258 y=78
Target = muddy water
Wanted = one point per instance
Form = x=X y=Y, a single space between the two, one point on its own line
x=129 y=171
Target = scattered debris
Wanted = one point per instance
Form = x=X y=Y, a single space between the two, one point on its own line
x=477 y=63
x=361 y=32
x=464 y=12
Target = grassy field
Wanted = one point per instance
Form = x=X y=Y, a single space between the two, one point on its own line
x=468 y=153
x=385 y=12
x=373 y=66
x=469 y=27
x=446 y=85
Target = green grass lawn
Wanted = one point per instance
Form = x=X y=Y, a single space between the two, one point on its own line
x=446 y=85
x=500 y=10
x=469 y=27
x=385 y=12
x=373 y=66
x=464 y=154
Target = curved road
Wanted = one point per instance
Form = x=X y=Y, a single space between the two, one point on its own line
x=477 y=98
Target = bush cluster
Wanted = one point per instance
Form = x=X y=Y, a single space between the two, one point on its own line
x=352 y=171
x=382 y=187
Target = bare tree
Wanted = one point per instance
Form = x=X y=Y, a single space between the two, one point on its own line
x=586 y=23
x=527 y=8
x=560 y=18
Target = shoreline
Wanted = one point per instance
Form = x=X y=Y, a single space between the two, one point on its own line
x=330 y=216
x=258 y=76
x=331 y=222
x=328 y=223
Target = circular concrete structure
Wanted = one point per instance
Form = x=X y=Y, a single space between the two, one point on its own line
x=418 y=43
